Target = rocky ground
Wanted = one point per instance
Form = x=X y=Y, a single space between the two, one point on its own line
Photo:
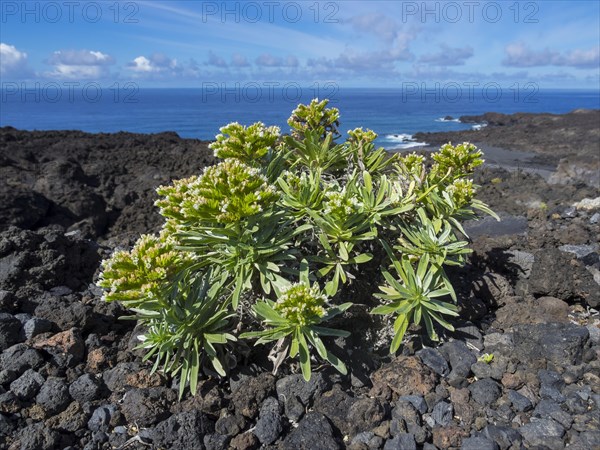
x=71 y=379
x=569 y=142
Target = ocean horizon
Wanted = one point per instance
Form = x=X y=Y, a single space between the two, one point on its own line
x=395 y=114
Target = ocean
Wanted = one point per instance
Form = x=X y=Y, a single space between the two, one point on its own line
x=394 y=114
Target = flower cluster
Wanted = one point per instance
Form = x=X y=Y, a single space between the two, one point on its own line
x=224 y=193
x=314 y=117
x=461 y=191
x=340 y=204
x=301 y=305
x=248 y=144
x=134 y=276
x=359 y=136
x=458 y=160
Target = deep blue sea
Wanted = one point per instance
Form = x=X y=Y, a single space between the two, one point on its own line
x=395 y=114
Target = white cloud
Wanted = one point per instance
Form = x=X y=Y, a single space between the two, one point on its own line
x=80 y=58
x=79 y=64
x=215 y=60
x=12 y=61
x=520 y=55
x=448 y=56
x=156 y=63
x=239 y=60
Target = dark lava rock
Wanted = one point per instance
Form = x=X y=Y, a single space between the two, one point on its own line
x=66 y=312
x=314 y=432
x=216 y=441
x=366 y=440
x=295 y=386
x=101 y=417
x=19 y=358
x=38 y=437
x=147 y=406
x=543 y=432
x=335 y=405
x=116 y=378
x=505 y=437
x=35 y=326
x=433 y=359
x=486 y=391
x=269 y=424
x=230 y=425
x=416 y=400
x=478 y=443
x=553 y=274
x=547 y=409
x=53 y=396
x=27 y=385
x=10 y=328
x=248 y=397
x=558 y=343
x=183 y=431
x=87 y=388
x=551 y=384
x=460 y=358
x=365 y=414
x=67 y=347
x=34 y=261
x=403 y=441
x=443 y=413
x=520 y=402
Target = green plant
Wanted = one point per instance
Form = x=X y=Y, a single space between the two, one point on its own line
x=294 y=319
x=266 y=244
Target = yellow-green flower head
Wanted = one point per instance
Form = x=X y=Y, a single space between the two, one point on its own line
x=301 y=304
x=315 y=116
x=133 y=276
x=414 y=163
x=248 y=144
x=224 y=193
x=359 y=136
x=461 y=191
x=462 y=158
x=339 y=203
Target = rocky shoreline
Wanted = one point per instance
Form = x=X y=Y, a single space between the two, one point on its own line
x=568 y=142
x=522 y=369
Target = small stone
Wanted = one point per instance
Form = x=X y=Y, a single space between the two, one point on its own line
x=54 y=396
x=547 y=409
x=434 y=360
x=87 y=388
x=10 y=328
x=67 y=345
x=520 y=402
x=27 y=385
x=313 y=433
x=35 y=326
x=403 y=441
x=505 y=437
x=486 y=391
x=100 y=420
x=542 y=432
x=443 y=413
x=478 y=443
x=368 y=439
x=269 y=425
x=230 y=425
x=416 y=400
x=460 y=358
x=569 y=213
x=595 y=218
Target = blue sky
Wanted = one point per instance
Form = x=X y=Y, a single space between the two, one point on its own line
x=350 y=43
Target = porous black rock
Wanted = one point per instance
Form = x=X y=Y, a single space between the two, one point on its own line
x=486 y=391
x=87 y=388
x=10 y=328
x=314 y=432
x=269 y=425
x=54 y=396
x=27 y=385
